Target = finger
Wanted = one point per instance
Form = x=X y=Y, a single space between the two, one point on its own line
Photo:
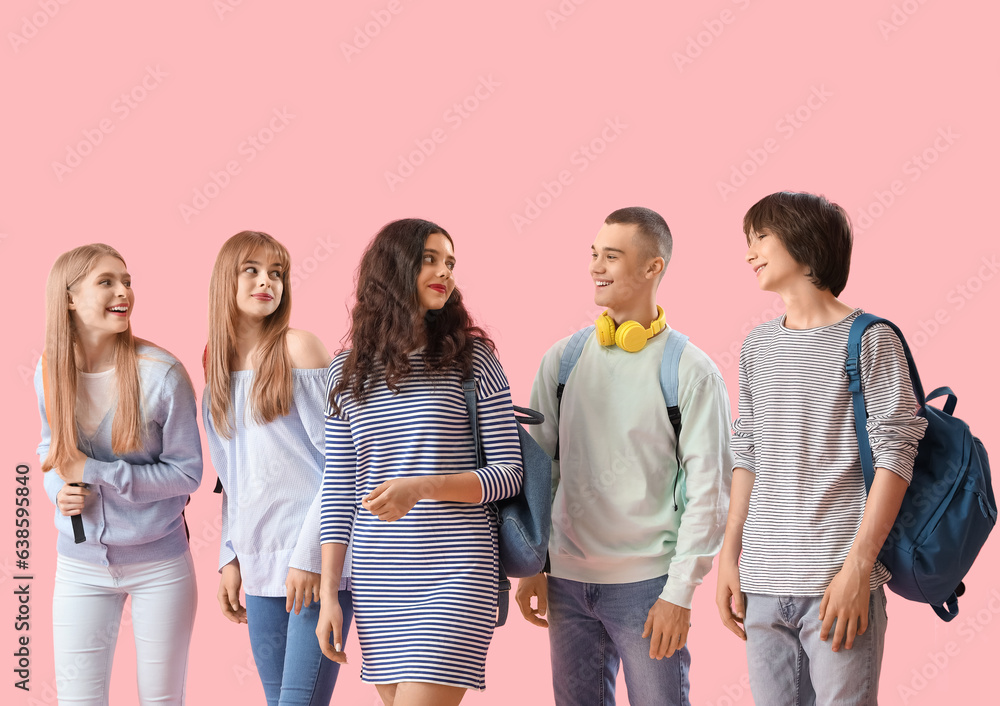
x=838 y=632
x=864 y=623
x=378 y=491
x=543 y=604
x=656 y=641
x=289 y=596
x=852 y=630
x=740 y=599
x=822 y=605
x=300 y=594
x=824 y=631
x=647 y=627
x=233 y=593
x=669 y=646
x=307 y=597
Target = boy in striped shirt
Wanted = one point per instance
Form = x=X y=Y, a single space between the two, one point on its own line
x=807 y=593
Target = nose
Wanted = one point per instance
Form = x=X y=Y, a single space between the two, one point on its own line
x=751 y=255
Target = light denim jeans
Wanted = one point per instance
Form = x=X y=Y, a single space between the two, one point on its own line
x=87 y=604
x=291 y=666
x=594 y=628
x=789 y=664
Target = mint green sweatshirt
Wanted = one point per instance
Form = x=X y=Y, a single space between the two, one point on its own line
x=613 y=517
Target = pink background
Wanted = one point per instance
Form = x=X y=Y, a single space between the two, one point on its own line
x=668 y=99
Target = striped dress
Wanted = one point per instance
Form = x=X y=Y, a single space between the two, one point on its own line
x=425 y=586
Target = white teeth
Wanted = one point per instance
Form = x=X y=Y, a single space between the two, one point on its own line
x=119 y=308
x=603 y=284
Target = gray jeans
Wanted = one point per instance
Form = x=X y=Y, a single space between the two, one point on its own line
x=789 y=664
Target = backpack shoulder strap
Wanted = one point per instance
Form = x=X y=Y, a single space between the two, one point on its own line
x=853 y=365
x=570 y=356
x=670 y=377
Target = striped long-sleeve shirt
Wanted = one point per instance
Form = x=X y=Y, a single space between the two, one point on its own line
x=795 y=432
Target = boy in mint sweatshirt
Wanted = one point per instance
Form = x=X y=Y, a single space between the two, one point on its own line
x=629 y=544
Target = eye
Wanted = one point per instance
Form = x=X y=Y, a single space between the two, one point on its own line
x=275 y=274
x=251 y=270
x=451 y=265
x=127 y=283
x=105 y=281
x=611 y=257
x=429 y=259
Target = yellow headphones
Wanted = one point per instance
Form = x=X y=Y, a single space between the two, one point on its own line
x=630 y=336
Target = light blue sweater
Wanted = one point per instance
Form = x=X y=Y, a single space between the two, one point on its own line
x=133 y=513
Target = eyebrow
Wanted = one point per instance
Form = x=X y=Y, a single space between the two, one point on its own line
x=435 y=252
x=608 y=249
x=254 y=262
x=112 y=274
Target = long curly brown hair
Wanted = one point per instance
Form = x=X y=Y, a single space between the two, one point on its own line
x=386 y=323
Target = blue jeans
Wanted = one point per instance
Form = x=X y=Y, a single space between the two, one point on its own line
x=594 y=627
x=291 y=666
x=789 y=664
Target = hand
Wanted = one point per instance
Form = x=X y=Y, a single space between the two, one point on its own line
x=393 y=499
x=667 y=627
x=728 y=593
x=331 y=621
x=531 y=587
x=71 y=498
x=72 y=471
x=846 y=601
x=229 y=593
x=302 y=588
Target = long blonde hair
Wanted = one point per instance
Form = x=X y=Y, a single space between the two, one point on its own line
x=271 y=394
x=61 y=338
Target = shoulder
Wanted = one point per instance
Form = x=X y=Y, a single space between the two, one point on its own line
x=159 y=367
x=695 y=364
x=306 y=349
x=487 y=370
x=336 y=366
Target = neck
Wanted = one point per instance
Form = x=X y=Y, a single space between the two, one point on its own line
x=95 y=352
x=248 y=335
x=643 y=312
x=809 y=307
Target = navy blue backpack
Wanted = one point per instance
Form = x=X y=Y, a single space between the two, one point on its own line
x=948 y=510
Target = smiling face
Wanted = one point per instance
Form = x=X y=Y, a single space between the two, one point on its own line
x=436 y=280
x=622 y=274
x=101 y=302
x=259 y=285
x=775 y=268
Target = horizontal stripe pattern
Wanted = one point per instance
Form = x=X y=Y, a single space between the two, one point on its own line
x=795 y=432
x=424 y=586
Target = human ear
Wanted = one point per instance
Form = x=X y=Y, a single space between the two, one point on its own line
x=655 y=267
x=69 y=301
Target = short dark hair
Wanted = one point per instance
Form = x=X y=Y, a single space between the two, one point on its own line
x=814 y=231
x=651 y=227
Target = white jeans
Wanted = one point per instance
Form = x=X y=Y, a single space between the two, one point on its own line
x=87 y=603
